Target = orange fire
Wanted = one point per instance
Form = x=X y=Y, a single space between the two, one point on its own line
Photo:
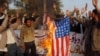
x=46 y=44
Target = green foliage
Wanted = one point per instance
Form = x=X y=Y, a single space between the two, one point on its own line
x=37 y=5
x=2 y=2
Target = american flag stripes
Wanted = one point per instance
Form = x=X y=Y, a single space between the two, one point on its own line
x=60 y=36
x=61 y=39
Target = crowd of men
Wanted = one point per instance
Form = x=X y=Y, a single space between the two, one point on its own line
x=11 y=46
x=9 y=41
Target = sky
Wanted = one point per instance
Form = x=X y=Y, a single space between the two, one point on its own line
x=69 y=4
x=12 y=6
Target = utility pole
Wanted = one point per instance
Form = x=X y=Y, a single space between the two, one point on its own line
x=44 y=6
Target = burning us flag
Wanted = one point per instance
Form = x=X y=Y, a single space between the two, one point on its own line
x=58 y=36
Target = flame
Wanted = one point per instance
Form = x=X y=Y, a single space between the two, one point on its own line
x=47 y=44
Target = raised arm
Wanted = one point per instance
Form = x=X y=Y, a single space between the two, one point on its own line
x=4 y=24
x=95 y=4
x=35 y=23
x=80 y=19
x=77 y=16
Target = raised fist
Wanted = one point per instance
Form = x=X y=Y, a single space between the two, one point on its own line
x=95 y=2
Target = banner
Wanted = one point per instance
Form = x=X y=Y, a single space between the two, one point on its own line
x=40 y=37
x=77 y=45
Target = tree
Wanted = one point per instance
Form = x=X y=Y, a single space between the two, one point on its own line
x=37 y=5
x=2 y=2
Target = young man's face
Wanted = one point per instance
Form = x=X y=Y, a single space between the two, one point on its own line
x=28 y=23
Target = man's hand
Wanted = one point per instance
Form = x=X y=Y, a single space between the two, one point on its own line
x=75 y=9
x=95 y=3
x=25 y=15
x=23 y=47
x=55 y=6
x=86 y=6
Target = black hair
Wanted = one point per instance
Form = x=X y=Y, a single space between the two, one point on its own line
x=27 y=20
x=34 y=18
x=97 y=23
x=13 y=20
x=95 y=12
x=58 y=15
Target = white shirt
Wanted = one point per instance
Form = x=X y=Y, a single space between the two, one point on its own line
x=10 y=37
x=5 y=49
x=23 y=19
